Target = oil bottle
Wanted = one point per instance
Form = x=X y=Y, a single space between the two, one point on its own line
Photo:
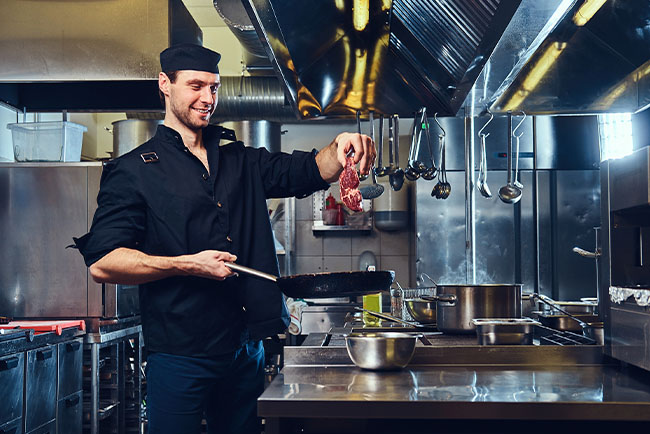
x=371 y=302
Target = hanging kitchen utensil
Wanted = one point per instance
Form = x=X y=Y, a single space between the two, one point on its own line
x=509 y=193
x=325 y=285
x=361 y=176
x=412 y=170
x=382 y=170
x=517 y=137
x=442 y=189
x=482 y=184
x=373 y=190
x=432 y=171
x=397 y=177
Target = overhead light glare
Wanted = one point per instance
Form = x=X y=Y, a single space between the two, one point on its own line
x=586 y=11
x=360 y=14
x=536 y=73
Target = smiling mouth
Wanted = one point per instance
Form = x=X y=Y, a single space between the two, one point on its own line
x=204 y=112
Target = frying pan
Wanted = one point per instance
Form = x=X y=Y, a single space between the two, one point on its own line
x=325 y=285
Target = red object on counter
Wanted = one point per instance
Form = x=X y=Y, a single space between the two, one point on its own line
x=46 y=326
x=340 y=215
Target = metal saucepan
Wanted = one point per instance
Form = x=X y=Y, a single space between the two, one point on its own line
x=458 y=305
x=325 y=285
x=592 y=330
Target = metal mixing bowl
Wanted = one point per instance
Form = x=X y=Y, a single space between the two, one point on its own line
x=423 y=311
x=381 y=350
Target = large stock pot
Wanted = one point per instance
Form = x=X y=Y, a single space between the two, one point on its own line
x=128 y=134
x=458 y=305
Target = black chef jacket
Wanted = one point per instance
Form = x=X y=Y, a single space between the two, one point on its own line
x=171 y=206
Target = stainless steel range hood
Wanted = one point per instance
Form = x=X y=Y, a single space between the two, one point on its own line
x=79 y=55
x=545 y=57
x=593 y=56
x=334 y=57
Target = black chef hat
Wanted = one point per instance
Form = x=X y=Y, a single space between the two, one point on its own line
x=189 y=56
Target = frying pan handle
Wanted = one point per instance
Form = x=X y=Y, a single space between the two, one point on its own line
x=251 y=271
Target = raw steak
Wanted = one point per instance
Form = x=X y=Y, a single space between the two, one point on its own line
x=348 y=183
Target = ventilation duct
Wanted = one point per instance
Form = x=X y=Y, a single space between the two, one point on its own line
x=234 y=15
x=243 y=98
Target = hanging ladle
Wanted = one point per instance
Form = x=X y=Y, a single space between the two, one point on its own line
x=373 y=190
x=510 y=193
x=431 y=172
x=414 y=167
x=517 y=137
x=482 y=186
x=396 y=178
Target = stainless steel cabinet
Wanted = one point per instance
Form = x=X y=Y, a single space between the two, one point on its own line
x=40 y=387
x=69 y=413
x=49 y=428
x=12 y=370
x=70 y=368
x=13 y=427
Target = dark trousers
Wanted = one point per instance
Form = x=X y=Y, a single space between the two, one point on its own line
x=182 y=390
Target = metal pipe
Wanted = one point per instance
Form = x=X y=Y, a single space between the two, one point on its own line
x=470 y=197
x=94 y=388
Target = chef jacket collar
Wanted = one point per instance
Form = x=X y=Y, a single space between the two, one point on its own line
x=169 y=135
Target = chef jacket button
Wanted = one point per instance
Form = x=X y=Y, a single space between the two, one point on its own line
x=205 y=176
x=229 y=239
x=219 y=204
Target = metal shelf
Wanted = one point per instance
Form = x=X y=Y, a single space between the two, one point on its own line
x=318 y=226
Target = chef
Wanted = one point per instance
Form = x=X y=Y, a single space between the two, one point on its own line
x=170 y=214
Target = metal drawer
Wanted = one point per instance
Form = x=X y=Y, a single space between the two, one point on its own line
x=13 y=427
x=69 y=413
x=70 y=368
x=12 y=370
x=48 y=428
x=40 y=387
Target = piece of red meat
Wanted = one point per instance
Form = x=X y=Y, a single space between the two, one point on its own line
x=348 y=183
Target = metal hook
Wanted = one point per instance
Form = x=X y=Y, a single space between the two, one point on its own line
x=486 y=124
x=518 y=125
x=435 y=118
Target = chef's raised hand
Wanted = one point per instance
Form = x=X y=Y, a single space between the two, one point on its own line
x=331 y=159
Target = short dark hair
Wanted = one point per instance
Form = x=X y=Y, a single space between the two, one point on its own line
x=172 y=79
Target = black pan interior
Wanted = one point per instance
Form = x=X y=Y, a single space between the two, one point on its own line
x=339 y=284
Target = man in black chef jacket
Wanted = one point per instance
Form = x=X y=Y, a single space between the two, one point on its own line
x=170 y=214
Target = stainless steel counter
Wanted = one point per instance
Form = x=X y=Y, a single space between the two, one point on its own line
x=457 y=384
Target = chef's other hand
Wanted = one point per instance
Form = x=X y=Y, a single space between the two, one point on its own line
x=331 y=159
x=210 y=264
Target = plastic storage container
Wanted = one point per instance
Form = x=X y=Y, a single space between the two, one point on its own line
x=47 y=141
